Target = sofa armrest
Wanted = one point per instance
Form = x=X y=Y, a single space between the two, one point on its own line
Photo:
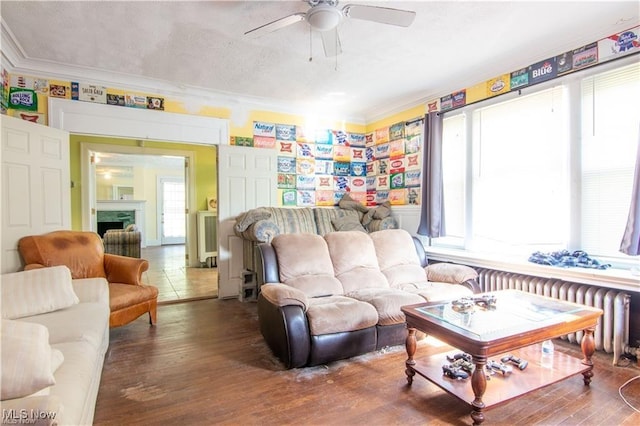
x=91 y=290
x=261 y=231
x=124 y=270
x=453 y=274
x=283 y=295
x=286 y=331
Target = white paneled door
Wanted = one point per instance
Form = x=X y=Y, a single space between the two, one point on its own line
x=247 y=179
x=36 y=193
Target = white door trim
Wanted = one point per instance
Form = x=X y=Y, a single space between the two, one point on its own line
x=107 y=120
x=88 y=219
x=132 y=123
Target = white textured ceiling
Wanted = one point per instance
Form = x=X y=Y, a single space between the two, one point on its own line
x=201 y=44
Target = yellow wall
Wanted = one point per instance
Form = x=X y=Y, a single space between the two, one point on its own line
x=309 y=122
x=205 y=169
x=411 y=113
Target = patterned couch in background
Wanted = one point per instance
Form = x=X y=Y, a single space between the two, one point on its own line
x=260 y=225
x=123 y=242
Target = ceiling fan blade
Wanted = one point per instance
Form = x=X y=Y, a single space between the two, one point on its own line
x=331 y=42
x=384 y=15
x=275 y=25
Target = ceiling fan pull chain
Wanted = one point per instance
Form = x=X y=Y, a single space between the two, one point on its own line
x=310 y=46
x=336 y=45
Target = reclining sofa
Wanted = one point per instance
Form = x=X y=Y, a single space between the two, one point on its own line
x=262 y=224
x=339 y=295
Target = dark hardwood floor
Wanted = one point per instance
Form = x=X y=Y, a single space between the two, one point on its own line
x=206 y=363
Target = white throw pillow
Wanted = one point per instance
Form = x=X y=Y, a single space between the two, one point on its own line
x=25 y=359
x=36 y=292
x=57 y=358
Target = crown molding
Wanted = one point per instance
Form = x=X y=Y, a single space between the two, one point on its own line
x=16 y=61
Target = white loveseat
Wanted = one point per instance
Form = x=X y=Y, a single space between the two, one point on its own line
x=55 y=333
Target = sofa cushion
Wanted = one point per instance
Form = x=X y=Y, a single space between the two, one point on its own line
x=57 y=358
x=294 y=220
x=304 y=263
x=76 y=381
x=25 y=359
x=64 y=325
x=37 y=291
x=354 y=261
x=347 y=223
x=387 y=302
x=325 y=215
x=336 y=314
x=397 y=257
x=121 y=296
x=92 y=290
x=348 y=203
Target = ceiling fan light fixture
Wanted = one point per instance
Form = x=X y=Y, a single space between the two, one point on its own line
x=323 y=17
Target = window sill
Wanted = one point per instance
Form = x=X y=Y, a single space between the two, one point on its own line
x=619 y=279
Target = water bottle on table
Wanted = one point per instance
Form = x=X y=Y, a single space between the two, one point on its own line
x=546 y=356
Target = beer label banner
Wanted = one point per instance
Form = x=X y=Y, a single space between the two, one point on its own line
x=23 y=99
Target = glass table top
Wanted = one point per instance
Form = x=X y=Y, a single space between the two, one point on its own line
x=513 y=310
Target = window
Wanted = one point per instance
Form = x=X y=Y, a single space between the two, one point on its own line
x=453 y=157
x=519 y=173
x=610 y=119
x=549 y=170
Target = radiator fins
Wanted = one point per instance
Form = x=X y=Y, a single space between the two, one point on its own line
x=612 y=332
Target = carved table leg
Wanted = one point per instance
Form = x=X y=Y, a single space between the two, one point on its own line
x=479 y=385
x=588 y=346
x=410 y=345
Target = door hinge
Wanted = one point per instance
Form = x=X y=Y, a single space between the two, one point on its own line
x=93 y=159
x=93 y=211
x=186 y=211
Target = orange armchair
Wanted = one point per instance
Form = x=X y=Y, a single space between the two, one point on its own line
x=83 y=253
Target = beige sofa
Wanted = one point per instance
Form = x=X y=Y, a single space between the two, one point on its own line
x=339 y=295
x=55 y=333
x=262 y=224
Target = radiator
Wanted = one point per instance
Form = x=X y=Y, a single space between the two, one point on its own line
x=612 y=332
x=207 y=236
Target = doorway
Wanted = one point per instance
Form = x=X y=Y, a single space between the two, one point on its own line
x=161 y=182
x=130 y=130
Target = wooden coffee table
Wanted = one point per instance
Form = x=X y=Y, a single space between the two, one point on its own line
x=516 y=325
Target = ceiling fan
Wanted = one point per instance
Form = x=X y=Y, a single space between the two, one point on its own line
x=325 y=16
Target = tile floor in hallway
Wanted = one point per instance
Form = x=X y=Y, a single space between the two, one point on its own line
x=176 y=281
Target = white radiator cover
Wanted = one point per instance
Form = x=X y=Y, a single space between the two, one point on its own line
x=207 y=235
x=612 y=332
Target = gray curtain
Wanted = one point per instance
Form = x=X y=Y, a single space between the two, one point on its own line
x=432 y=205
x=631 y=239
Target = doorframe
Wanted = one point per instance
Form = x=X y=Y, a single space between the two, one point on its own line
x=109 y=121
x=88 y=190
